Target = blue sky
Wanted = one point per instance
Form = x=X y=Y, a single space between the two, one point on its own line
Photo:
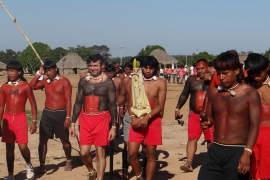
x=180 y=26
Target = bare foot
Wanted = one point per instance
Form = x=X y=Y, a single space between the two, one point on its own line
x=41 y=170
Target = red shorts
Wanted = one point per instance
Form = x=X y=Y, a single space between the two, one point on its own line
x=195 y=130
x=150 y=135
x=15 y=128
x=260 y=163
x=94 y=129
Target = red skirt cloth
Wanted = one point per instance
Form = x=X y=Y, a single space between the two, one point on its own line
x=94 y=129
x=150 y=135
x=15 y=128
x=260 y=158
x=195 y=130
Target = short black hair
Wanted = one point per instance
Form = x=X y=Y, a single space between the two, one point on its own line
x=16 y=65
x=229 y=60
x=149 y=61
x=255 y=64
x=110 y=68
x=95 y=58
x=49 y=65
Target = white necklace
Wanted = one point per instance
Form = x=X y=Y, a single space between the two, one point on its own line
x=152 y=78
x=16 y=83
x=265 y=82
x=57 y=78
x=233 y=93
x=89 y=76
x=128 y=76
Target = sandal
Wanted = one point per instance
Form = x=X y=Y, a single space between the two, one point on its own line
x=68 y=168
x=186 y=167
x=92 y=175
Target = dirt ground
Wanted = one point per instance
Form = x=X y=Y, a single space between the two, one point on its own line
x=169 y=156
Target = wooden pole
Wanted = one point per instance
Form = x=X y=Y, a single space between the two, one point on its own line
x=14 y=20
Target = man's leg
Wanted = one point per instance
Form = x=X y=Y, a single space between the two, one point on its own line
x=67 y=149
x=190 y=150
x=42 y=152
x=87 y=161
x=10 y=157
x=144 y=162
x=151 y=161
x=101 y=162
x=133 y=149
x=27 y=157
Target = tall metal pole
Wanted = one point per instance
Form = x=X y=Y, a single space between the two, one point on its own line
x=186 y=58
x=14 y=20
x=121 y=54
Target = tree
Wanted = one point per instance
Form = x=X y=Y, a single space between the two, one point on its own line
x=148 y=49
x=267 y=54
x=103 y=50
x=117 y=59
x=29 y=59
x=57 y=53
x=82 y=51
x=202 y=55
x=9 y=55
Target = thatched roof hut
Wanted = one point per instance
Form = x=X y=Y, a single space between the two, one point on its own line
x=72 y=63
x=163 y=57
x=2 y=68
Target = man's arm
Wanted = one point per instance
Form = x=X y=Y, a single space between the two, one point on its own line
x=2 y=103
x=184 y=95
x=254 y=114
x=32 y=100
x=206 y=115
x=67 y=94
x=35 y=84
x=254 y=109
x=112 y=101
x=78 y=103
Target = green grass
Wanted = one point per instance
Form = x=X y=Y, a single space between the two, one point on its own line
x=29 y=116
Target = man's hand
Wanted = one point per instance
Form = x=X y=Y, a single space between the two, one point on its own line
x=121 y=111
x=204 y=121
x=244 y=163
x=41 y=70
x=144 y=120
x=33 y=127
x=207 y=77
x=72 y=132
x=135 y=122
x=67 y=123
x=178 y=117
x=112 y=134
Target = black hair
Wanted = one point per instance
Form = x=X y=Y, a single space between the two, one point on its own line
x=110 y=68
x=150 y=61
x=49 y=65
x=95 y=58
x=129 y=65
x=210 y=64
x=16 y=65
x=201 y=60
x=255 y=64
x=229 y=60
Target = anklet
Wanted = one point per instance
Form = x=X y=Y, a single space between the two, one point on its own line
x=68 y=160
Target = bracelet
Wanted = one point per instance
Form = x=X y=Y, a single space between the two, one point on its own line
x=114 y=127
x=73 y=124
x=149 y=115
x=177 y=109
x=132 y=115
x=34 y=120
x=249 y=150
x=67 y=117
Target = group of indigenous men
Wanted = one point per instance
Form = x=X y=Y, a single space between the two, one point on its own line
x=230 y=105
x=103 y=93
